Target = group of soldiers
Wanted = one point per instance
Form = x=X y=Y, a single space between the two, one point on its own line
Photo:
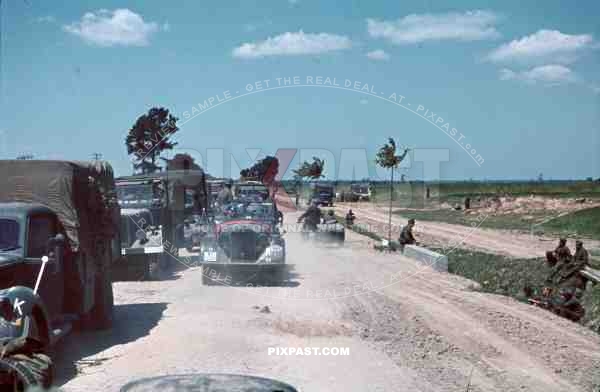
x=565 y=284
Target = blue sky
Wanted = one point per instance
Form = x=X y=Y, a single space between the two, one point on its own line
x=520 y=82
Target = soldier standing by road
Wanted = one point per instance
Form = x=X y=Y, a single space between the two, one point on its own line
x=225 y=196
x=312 y=216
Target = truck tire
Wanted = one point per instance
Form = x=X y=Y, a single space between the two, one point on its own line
x=101 y=315
x=29 y=370
x=153 y=271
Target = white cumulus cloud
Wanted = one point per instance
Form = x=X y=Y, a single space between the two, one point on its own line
x=415 y=28
x=378 y=54
x=552 y=74
x=544 y=46
x=113 y=28
x=296 y=43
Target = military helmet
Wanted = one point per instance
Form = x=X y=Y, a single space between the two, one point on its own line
x=330 y=213
x=411 y=221
x=578 y=242
x=562 y=240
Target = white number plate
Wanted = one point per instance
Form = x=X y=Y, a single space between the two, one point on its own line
x=210 y=256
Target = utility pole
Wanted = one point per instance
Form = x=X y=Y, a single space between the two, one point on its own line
x=97 y=156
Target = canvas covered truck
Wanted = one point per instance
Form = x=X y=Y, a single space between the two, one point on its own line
x=322 y=193
x=58 y=231
x=357 y=192
x=141 y=232
x=153 y=220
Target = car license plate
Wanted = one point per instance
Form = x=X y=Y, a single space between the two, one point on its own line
x=210 y=256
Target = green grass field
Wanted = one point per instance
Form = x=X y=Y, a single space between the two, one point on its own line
x=500 y=222
x=412 y=194
x=584 y=223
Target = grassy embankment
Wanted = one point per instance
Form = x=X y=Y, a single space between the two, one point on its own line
x=507 y=276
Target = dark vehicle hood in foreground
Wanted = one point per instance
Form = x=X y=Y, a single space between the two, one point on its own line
x=207 y=383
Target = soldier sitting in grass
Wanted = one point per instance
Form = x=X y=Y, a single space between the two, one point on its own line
x=406 y=235
x=561 y=254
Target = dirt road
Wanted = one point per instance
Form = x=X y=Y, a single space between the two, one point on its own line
x=407 y=329
x=446 y=235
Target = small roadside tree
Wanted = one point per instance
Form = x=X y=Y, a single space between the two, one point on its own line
x=264 y=170
x=309 y=171
x=149 y=137
x=388 y=159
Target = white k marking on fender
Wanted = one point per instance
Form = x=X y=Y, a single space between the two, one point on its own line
x=17 y=306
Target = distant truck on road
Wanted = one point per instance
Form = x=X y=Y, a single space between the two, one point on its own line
x=357 y=192
x=322 y=193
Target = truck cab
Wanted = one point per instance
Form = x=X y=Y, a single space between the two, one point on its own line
x=29 y=232
x=323 y=194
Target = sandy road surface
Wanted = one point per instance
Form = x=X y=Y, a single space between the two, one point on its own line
x=407 y=329
x=448 y=235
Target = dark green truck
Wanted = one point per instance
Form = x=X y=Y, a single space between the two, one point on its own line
x=58 y=238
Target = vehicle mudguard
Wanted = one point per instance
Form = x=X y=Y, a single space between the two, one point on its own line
x=27 y=301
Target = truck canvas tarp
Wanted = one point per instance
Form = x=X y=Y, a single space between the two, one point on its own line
x=80 y=193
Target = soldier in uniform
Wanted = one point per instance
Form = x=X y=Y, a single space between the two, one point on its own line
x=311 y=217
x=569 y=305
x=568 y=267
x=350 y=217
x=330 y=218
x=406 y=235
x=581 y=257
x=225 y=196
x=560 y=254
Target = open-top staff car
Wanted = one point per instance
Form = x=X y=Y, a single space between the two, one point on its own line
x=245 y=244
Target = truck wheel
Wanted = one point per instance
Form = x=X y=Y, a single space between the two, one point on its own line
x=101 y=315
x=154 y=268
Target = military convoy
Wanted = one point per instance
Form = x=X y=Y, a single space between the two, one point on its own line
x=58 y=230
x=155 y=210
x=244 y=242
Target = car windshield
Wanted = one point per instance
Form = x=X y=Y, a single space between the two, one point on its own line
x=9 y=234
x=135 y=194
x=236 y=211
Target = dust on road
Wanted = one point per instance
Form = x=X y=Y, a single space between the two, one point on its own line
x=408 y=328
